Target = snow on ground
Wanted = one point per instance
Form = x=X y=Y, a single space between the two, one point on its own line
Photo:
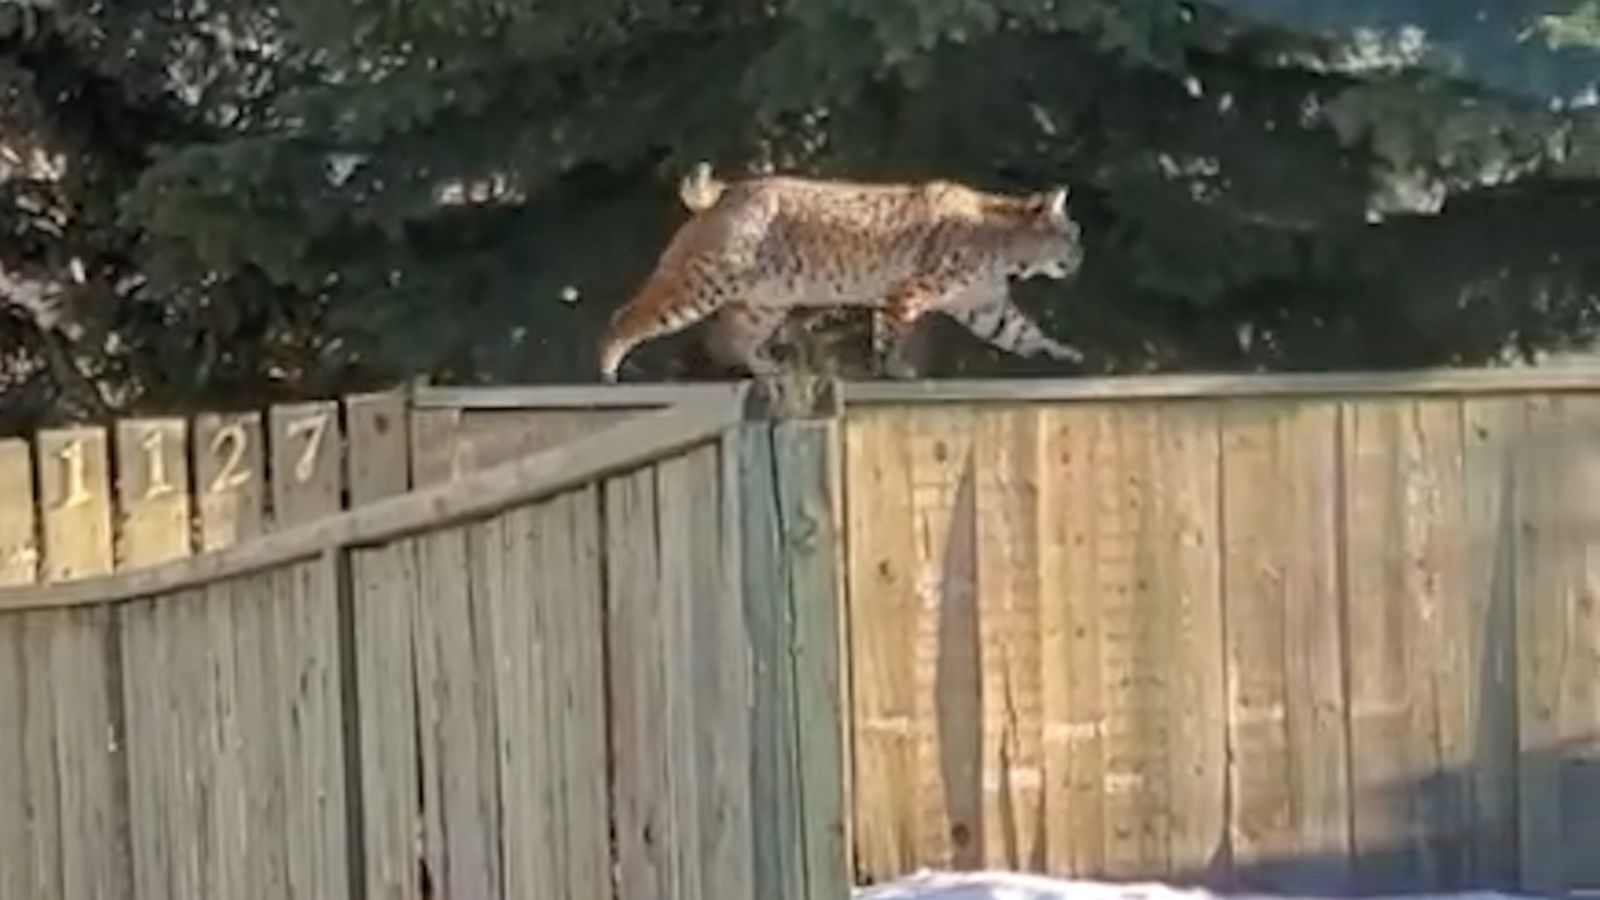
x=997 y=885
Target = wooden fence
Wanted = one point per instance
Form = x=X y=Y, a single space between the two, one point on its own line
x=579 y=673
x=91 y=499
x=1321 y=632
x=1336 y=632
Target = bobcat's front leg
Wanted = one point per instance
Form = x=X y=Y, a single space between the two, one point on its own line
x=907 y=302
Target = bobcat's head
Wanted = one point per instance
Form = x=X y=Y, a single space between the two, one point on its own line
x=1045 y=240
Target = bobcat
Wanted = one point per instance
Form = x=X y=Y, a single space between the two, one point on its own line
x=756 y=249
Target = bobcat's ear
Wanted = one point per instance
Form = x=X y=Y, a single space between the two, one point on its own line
x=1053 y=206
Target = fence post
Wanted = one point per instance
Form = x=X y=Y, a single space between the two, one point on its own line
x=792 y=607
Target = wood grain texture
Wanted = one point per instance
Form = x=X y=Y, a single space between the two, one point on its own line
x=230 y=478
x=1072 y=698
x=881 y=561
x=946 y=653
x=455 y=670
x=153 y=497
x=379 y=461
x=574 y=561
x=801 y=459
x=1286 y=710
x=789 y=585
x=85 y=679
x=1006 y=440
x=1558 y=476
x=486 y=438
x=19 y=541
x=389 y=701
x=75 y=503
x=1491 y=429
x=640 y=799
x=1187 y=583
x=435 y=448
x=1133 y=638
x=307 y=444
x=628 y=445
x=1404 y=562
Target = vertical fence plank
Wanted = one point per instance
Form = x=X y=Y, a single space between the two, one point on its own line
x=1070 y=643
x=1491 y=428
x=883 y=573
x=675 y=486
x=575 y=569
x=230 y=478
x=946 y=654
x=75 y=502
x=522 y=701
x=789 y=607
x=1381 y=676
x=803 y=466
x=1133 y=644
x=41 y=775
x=84 y=675
x=640 y=801
x=1404 y=499
x=307 y=462
x=722 y=678
x=263 y=680
x=16 y=876
x=1188 y=585
x=455 y=672
x=385 y=590
x=1558 y=633
x=19 y=545
x=1006 y=457
x=230 y=833
x=307 y=604
x=152 y=491
x=380 y=458
x=1285 y=675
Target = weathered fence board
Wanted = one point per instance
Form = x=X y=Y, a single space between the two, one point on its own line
x=152 y=491
x=1286 y=728
x=19 y=544
x=75 y=503
x=379 y=463
x=230 y=477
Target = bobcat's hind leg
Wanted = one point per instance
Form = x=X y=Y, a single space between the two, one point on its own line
x=893 y=348
x=669 y=302
x=740 y=334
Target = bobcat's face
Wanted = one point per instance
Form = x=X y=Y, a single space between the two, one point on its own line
x=1047 y=243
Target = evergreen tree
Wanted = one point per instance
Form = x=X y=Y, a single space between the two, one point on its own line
x=267 y=199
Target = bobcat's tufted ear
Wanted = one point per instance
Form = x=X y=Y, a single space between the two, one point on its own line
x=1054 y=206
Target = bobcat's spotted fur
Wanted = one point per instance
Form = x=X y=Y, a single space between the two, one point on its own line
x=756 y=249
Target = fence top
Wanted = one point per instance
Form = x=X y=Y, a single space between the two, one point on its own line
x=1221 y=386
x=576 y=396
x=626 y=445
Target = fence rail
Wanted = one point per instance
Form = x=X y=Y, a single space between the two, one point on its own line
x=88 y=500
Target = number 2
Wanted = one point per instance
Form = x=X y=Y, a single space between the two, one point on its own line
x=229 y=476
